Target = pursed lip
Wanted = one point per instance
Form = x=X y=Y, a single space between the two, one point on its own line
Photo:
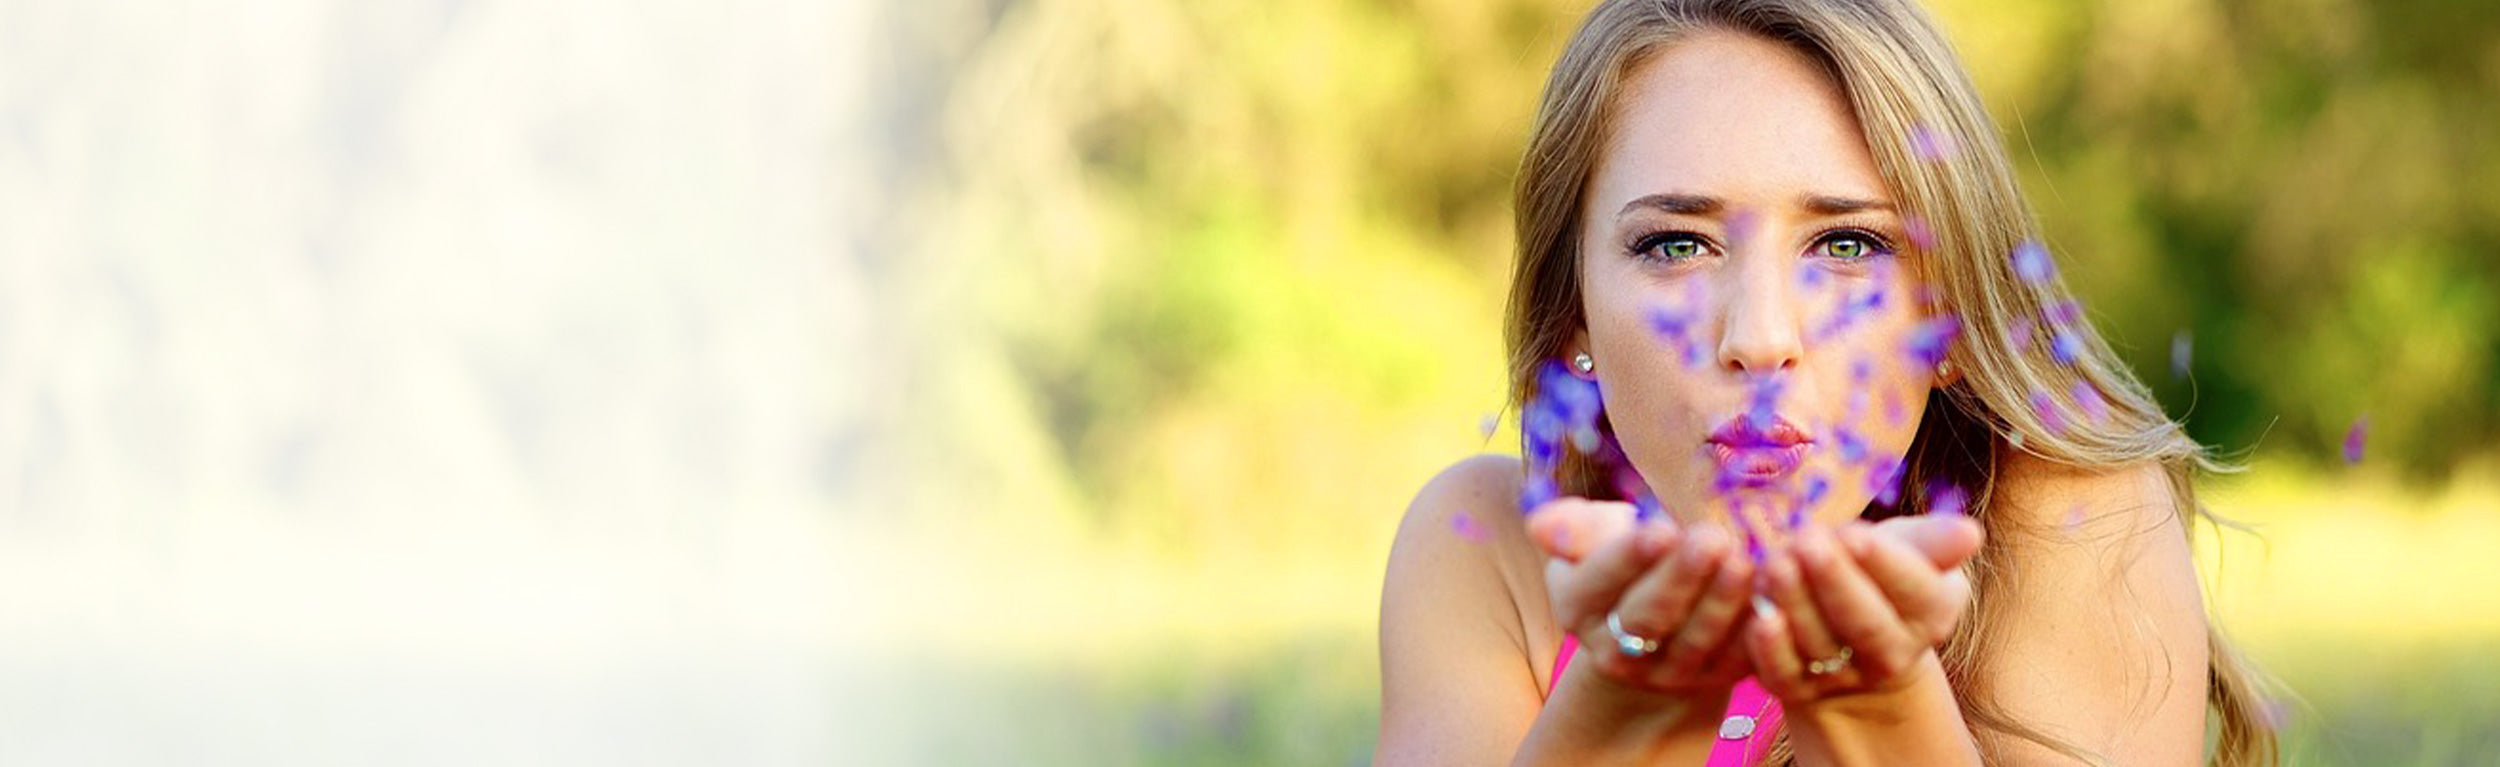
x=1753 y=453
x=1742 y=432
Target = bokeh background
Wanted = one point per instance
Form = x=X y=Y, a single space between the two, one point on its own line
x=1194 y=295
x=1040 y=382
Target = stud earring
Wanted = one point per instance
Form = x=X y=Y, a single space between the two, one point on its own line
x=1944 y=368
x=1584 y=362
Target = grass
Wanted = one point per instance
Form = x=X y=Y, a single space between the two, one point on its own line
x=2364 y=599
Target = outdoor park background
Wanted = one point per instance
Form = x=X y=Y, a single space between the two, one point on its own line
x=1039 y=382
x=1186 y=299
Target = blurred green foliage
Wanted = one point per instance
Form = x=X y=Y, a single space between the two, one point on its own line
x=1218 y=283
x=1138 y=211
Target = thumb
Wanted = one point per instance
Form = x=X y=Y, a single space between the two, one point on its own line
x=1570 y=528
x=1947 y=540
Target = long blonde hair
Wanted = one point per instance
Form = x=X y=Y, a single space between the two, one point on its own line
x=1902 y=78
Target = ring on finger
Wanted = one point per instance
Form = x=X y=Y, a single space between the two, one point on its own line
x=1630 y=644
x=1831 y=665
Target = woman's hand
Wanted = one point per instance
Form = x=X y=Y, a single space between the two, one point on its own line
x=1686 y=589
x=1859 y=609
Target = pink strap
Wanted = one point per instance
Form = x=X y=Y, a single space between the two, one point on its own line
x=1748 y=699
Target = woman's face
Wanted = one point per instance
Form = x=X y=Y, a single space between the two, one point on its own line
x=1748 y=303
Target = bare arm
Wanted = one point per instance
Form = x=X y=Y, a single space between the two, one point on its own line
x=1459 y=682
x=2103 y=641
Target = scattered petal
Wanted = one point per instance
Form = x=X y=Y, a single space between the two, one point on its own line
x=2094 y=407
x=1930 y=145
x=1852 y=447
x=1946 y=499
x=2355 y=438
x=1884 y=480
x=1467 y=528
x=2066 y=313
x=2044 y=407
x=1933 y=339
x=1740 y=227
x=2065 y=347
x=2074 y=518
x=2182 y=349
x=1538 y=491
x=1921 y=236
x=2022 y=334
x=2032 y=264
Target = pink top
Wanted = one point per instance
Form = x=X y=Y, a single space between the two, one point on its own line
x=1748 y=700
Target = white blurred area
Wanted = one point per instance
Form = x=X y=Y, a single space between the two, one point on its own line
x=422 y=382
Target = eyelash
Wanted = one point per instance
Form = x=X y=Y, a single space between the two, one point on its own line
x=1642 y=246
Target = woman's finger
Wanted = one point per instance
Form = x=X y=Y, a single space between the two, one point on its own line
x=1569 y=528
x=1785 y=582
x=1587 y=590
x=1917 y=591
x=1773 y=651
x=1945 y=541
x=1857 y=613
x=1705 y=633
x=1656 y=605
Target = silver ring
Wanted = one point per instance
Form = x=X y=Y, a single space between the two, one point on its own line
x=1831 y=665
x=1631 y=645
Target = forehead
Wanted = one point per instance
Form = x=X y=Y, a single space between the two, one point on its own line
x=1734 y=116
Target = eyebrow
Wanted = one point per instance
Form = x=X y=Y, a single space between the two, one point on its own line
x=1704 y=205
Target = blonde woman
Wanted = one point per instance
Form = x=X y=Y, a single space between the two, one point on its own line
x=1824 y=466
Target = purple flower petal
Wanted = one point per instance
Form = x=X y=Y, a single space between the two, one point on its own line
x=1921 y=236
x=1946 y=499
x=2355 y=438
x=2044 y=407
x=1929 y=144
x=2022 y=334
x=2094 y=407
x=1539 y=491
x=2066 y=313
x=1740 y=227
x=1884 y=481
x=1763 y=399
x=2032 y=264
x=1933 y=339
x=1852 y=447
x=2182 y=348
x=1467 y=528
x=2065 y=347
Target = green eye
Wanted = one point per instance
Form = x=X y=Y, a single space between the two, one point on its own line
x=1671 y=247
x=1848 y=246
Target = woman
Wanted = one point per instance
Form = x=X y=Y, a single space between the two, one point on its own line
x=1824 y=464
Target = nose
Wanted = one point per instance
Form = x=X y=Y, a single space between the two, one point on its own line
x=1761 y=329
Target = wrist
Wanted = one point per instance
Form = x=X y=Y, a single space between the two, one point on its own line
x=1638 y=712
x=1916 y=721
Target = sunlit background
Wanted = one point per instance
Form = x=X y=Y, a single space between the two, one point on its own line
x=1040 y=382
x=1196 y=294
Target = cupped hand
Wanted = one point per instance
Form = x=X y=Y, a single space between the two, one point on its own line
x=1681 y=592
x=1859 y=608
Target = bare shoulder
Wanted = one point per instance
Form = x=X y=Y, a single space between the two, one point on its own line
x=1462 y=620
x=2101 y=627
x=1465 y=531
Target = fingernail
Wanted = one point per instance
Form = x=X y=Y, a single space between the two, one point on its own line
x=1762 y=608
